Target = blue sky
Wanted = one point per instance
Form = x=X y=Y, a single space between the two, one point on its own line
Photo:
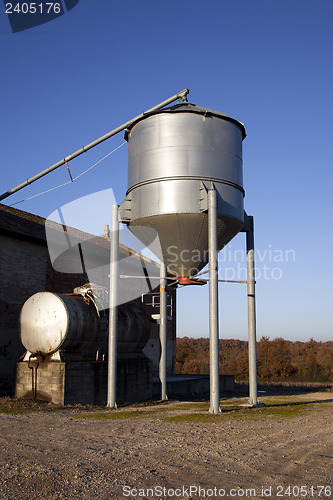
x=267 y=63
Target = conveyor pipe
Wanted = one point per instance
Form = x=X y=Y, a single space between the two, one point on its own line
x=179 y=95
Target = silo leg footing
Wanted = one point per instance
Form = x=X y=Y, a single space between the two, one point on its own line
x=254 y=405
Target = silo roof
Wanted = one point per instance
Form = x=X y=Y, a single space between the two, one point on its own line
x=186 y=107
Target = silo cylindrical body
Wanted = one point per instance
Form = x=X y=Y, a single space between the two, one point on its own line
x=175 y=156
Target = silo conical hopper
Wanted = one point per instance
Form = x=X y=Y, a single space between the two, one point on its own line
x=175 y=155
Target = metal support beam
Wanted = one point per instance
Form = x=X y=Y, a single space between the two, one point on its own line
x=251 y=303
x=213 y=303
x=113 y=309
x=180 y=95
x=163 y=331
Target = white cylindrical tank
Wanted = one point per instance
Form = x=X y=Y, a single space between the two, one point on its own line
x=51 y=322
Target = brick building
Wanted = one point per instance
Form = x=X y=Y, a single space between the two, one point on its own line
x=26 y=268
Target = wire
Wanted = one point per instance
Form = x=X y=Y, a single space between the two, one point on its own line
x=68 y=182
x=199 y=274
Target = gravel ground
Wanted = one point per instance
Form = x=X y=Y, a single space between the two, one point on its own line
x=173 y=450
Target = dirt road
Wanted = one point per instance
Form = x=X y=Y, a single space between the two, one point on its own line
x=173 y=450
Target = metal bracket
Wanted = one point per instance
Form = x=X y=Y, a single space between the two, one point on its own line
x=248 y=223
x=204 y=187
x=203 y=197
x=125 y=209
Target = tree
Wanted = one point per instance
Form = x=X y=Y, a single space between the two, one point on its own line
x=280 y=360
x=263 y=358
x=277 y=359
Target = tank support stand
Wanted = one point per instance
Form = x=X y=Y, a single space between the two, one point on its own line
x=251 y=304
x=163 y=332
x=213 y=303
x=113 y=309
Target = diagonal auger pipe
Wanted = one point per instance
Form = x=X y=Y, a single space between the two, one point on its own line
x=180 y=95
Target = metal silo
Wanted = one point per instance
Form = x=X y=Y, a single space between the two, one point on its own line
x=185 y=185
x=175 y=155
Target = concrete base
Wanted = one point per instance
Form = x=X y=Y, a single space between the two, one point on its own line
x=254 y=405
x=85 y=382
x=192 y=386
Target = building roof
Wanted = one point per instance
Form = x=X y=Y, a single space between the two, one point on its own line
x=31 y=226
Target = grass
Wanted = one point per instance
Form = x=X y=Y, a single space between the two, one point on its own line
x=285 y=411
x=192 y=412
x=15 y=406
x=192 y=406
x=14 y=411
x=111 y=415
x=239 y=413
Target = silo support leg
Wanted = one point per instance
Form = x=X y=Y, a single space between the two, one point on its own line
x=163 y=331
x=113 y=309
x=213 y=303
x=251 y=302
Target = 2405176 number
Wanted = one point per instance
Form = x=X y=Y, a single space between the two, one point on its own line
x=303 y=491
x=33 y=8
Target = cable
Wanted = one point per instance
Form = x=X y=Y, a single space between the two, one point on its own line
x=69 y=182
